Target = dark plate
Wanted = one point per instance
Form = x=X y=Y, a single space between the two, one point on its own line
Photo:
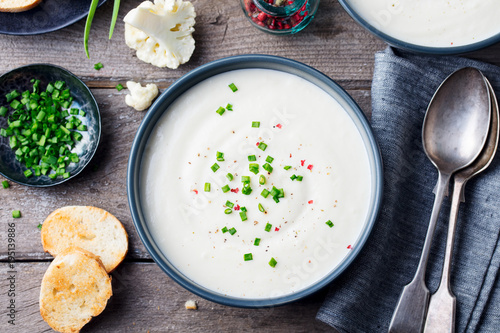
x=49 y=15
x=19 y=79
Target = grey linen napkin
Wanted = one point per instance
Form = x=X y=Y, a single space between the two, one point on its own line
x=363 y=298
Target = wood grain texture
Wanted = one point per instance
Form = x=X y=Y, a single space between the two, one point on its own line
x=332 y=43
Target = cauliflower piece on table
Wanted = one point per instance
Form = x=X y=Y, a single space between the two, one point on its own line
x=161 y=32
x=140 y=98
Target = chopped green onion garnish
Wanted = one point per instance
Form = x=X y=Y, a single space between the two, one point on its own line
x=247 y=257
x=267 y=167
x=215 y=167
x=229 y=107
x=329 y=223
x=261 y=208
x=299 y=178
x=269 y=159
x=225 y=188
x=207 y=187
x=256 y=124
x=265 y=193
x=229 y=204
x=232 y=231
x=119 y=87
x=243 y=209
x=272 y=262
x=228 y=211
x=224 y=230
x=253 y=167
x=3 y=111
x=268 y=227
x=28 y=173
x=98 y=66
x=16 y=214
x=256 y=242
x=252 y=158
x=293 y=177
x=262 y=146
x=233 y=87
x=220 y=156
x=243 y=216
x=229 y=176
x=262 y=180
x=221 y=110
x=5 y=184
x=39 y=226
x=246 y=189
x=245 y=179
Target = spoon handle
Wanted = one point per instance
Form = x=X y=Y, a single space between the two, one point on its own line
x=410 y=312
x=441 y=313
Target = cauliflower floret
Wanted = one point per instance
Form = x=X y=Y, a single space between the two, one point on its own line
x=140 y=98
x=161 y=32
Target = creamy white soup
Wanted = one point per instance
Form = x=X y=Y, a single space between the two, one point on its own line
x=434 y=23
x=300 y=231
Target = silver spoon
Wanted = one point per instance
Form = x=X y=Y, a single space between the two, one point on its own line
x=454 y=132
x=441 y=313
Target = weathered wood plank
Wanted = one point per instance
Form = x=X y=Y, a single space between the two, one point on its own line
x=146 y=300
x=101 y=184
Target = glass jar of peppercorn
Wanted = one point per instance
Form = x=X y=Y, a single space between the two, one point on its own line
x=280 y=17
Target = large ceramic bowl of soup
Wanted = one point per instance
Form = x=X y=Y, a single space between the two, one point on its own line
x=254 y=181
x=430 y=26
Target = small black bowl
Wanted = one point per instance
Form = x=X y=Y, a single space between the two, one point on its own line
x=83 y=99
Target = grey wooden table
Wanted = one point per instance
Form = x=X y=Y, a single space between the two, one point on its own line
x=145 y=299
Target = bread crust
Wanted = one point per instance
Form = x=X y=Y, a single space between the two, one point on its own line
x=16 y=6
x=90 y=228
x=75 y=288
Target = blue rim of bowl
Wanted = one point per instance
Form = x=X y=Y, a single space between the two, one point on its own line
x=93 y=101
x=415 y=47
x=220 y=66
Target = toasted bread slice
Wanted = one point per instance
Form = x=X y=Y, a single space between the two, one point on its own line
x=14 y=6
x=90 y=228
x=74 y=289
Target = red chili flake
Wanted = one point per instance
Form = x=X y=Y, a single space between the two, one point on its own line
x=235 y=190
x=237 y=207
x=195 y=191
x=349 y=246
x=310 y=202
x=309 y=261
x=279 y=125
x=257 y=144
x=276 y=229
x=290 y=155
x=302 y=162
x=310 y=167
